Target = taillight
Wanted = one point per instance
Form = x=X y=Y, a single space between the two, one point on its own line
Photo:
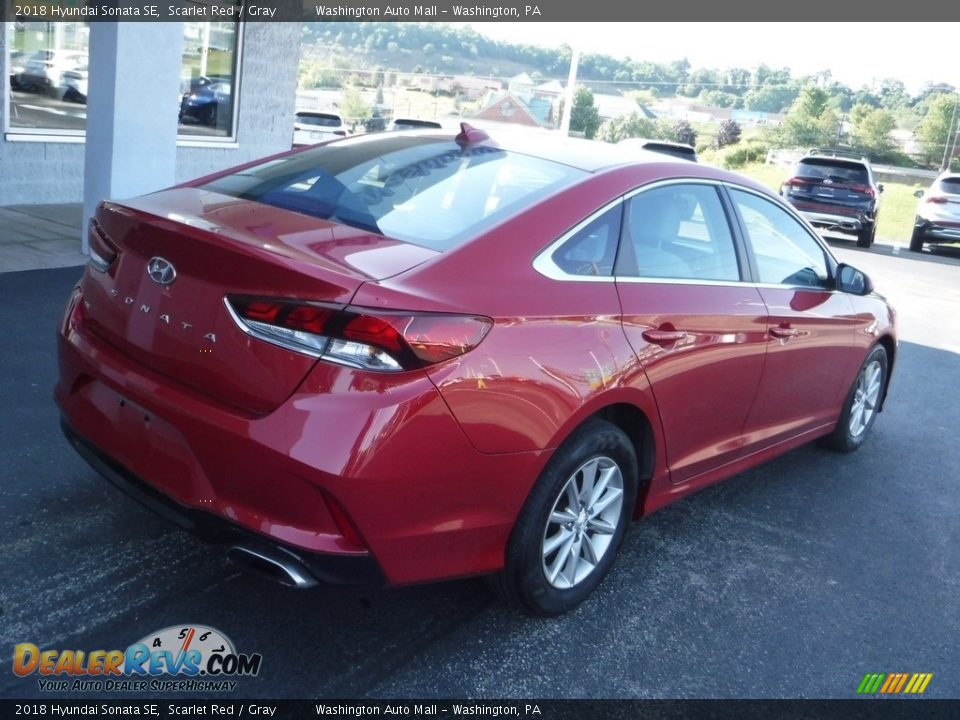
x=865 y=189
x=102 y=251
x=936 y=199
x=795 y=181
x=359 y=337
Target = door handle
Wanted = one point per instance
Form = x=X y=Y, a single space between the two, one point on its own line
x=783 y=332
x=664 y=336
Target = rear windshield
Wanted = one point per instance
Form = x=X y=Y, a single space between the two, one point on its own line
x=407 y=124
x=831 y=169
x=950 y=186
x=422 y=190
x=319 y=120
x=672 y=150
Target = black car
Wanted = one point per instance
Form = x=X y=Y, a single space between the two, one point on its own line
x=836 y=193
x=208 y=103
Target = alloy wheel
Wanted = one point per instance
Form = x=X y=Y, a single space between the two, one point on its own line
x=865 y=398
x=582 y=522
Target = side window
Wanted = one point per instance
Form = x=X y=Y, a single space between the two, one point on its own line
x=678 y=231
x=785 y=252
x=591 y=250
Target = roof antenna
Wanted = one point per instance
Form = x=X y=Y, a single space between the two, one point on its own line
x=469 y=134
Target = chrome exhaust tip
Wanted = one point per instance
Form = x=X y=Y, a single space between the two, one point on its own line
x=273 y=565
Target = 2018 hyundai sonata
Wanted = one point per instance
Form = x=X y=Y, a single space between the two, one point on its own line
x=413 y=356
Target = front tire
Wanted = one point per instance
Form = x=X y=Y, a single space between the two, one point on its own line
x=572 y=525
x=862 y=404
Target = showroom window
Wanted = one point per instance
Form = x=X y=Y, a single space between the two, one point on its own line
x=48 y=67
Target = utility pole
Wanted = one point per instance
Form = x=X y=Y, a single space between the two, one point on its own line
x=836 y=141
x=947 y=155
x=568 y=95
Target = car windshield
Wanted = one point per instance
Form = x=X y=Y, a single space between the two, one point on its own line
x=423 y=190
x=319 y=120
x=838 y=171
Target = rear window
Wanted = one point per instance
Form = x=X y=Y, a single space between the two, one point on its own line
x=319 y=120
x=672 y=150
x=426 y=191
x=409 y=124
x=839 y=171
x=950 y=186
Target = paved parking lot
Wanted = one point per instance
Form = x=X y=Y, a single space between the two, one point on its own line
x=792 y=580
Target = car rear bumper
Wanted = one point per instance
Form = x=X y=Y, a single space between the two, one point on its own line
x=832 y=221
x=352 y=465
x=941 y=230
x=304 y=568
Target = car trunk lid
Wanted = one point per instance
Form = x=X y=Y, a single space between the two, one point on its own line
x=181 y=252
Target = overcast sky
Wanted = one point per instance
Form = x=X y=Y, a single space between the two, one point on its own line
x=855 y=53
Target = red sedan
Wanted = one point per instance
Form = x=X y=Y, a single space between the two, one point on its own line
x=405 y=357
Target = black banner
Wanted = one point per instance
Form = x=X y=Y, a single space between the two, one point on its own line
x=448 y=11
x=471 y=709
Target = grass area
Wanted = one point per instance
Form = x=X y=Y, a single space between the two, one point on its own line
x=897 y=204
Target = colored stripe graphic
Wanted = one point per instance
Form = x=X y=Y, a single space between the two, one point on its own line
x=894 y=683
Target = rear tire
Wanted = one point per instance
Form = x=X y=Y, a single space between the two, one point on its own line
x=862 y=404
x=572 y=525
x=916 y=239
x=866 y=237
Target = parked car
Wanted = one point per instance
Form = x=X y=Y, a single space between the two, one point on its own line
x=44 y=70
x=938 y=212
x=414 y=124
x=837 y=193
x=664 y=147
x=209 y=103
x=310 y=128
x=18 y=63
x=73 y=85
x=405 y=357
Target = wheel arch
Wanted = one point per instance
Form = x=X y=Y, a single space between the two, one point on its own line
x=890 y=345
x=637 y=426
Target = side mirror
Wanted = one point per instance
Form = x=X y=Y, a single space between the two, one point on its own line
x=853 y=281
x=880 y=187
x=918 y=193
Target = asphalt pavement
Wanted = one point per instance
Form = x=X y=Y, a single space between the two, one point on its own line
x=791 y=580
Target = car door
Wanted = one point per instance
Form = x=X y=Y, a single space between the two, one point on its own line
x=810 y=354
x=698 y=330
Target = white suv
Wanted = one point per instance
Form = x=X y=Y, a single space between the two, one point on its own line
x=311 y=127
x=45 y=69
x=938 y=212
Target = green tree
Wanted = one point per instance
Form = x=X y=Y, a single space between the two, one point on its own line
x=684 y=133
x=584 y=117
x=934 y=130
x=627 y=126
x=352 y=105
x=728 y=133
x=870 y=131
x=770 y=98
x=810 y=122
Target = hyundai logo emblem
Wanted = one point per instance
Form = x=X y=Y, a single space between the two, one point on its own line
x=161 y=271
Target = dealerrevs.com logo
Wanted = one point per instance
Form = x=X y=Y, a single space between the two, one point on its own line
x=177 y=658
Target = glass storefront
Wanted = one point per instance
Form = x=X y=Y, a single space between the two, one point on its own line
x=48 y=65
